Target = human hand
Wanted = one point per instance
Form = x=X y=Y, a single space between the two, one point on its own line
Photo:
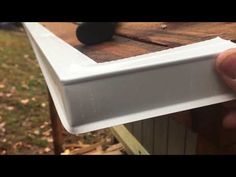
x=226 y=67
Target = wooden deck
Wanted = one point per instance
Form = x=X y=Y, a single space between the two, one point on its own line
x=196 y=131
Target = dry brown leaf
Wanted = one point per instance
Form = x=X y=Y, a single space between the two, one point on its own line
x=10 y=108
x=17 y=145
x=44 y=125
x=99 y=148
x=66 y=146
x=85 y=149
x=50 y=140
x=2 y=125
x=118 y=152
x=47 y=149
x=13 y=89
x=2 y=86
x=81 y=144
x=26 y=124
x=36 y=132
x=26 y=56
x=4 y=152
x=66 y=152
x=115 y=147
x=24 y=101
x=163 y=26
x=43 y=105
x=94 y=153
x=25 y=86
x=8 y=95
x=1 y=94
x=47 y=133
x=3 y=130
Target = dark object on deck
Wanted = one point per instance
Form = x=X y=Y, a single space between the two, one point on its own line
x=90 y=33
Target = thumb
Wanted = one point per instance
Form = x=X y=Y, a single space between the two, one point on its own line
x=226 y=67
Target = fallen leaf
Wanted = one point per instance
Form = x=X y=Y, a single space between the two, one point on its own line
x=8 y=95
x=25 y=86
x=85 y=149
x=50 y=140
x=94 y=153
x=25 y=101
x=2 y=85
x=17 y=145
x=73 y=146
x=163 y=26
x=114 y=147
x=10 y=108
x=27 y=146
x=47 y=133
x=118 y=152
x=3 y=130
x=1 y=94
x=5 y=66
x=26 y=56
x=43 y=105
x=66 y=152
x=36 y=132
x=2 y=125
x=13 y=90
x=99 y=148
x=44 y=125
x=4 y=152
x=40 y=152
x=47 y=149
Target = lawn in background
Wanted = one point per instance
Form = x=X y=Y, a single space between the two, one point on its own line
x=24 y=116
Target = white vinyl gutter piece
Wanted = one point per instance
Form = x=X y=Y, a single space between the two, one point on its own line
x=90 y=96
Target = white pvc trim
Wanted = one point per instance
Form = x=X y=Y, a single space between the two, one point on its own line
x=76 y=81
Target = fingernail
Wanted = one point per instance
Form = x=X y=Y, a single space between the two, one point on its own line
x=228 y=67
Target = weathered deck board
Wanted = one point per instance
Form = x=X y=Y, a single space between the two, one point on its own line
x=118 y=48
x=178 y=33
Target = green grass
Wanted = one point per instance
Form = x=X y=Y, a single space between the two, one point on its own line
x=24 y=114
x=21 y=79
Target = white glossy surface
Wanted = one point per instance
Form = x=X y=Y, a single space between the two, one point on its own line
x=90 y=96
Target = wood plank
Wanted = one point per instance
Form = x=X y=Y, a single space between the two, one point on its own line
x=176 y=136
x=191 y=142
x=178 y=33
x=129 y=126
x=130 y=143
x=137 y=130
x=118 y=48
x=148 y=134
x=161 y=135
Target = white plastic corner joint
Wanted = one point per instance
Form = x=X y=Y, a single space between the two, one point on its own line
x=90 y=96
